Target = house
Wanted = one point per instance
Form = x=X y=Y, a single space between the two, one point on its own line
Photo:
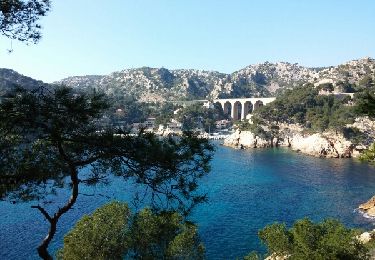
x=174 y=126
x=208 y=104
x=149 y=123
x=222 y=124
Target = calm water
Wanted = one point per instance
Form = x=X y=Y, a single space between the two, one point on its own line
x=247 y=190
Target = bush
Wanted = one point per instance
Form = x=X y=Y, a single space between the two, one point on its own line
x=369 y=154
x=307 y=240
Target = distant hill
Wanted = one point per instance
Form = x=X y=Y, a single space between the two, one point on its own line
x=265 y=79
x=10 y=78
x=159 y=84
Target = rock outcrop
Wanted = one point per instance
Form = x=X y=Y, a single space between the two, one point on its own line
x=246 y=139
x=329 y=145
x=368 y=207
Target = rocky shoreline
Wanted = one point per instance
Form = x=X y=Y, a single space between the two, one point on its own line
x=329 y=144
x=326 y=145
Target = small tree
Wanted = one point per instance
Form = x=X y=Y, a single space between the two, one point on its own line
x=48 y=135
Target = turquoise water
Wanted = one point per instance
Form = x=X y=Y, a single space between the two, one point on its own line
x=247 y=190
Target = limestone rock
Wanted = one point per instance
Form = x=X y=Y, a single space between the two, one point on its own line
x=329 y=145
x=276 y=257
x=368 y=207
x=246 y=139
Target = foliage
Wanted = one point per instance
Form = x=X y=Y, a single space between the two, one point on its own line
x=346 y=87
x=369 y=154
x=367 y=82
x=102 y=235
x=18 y=18
x=164 y=236
x=326 y=87
x=47 y=135
x=198 y=116
x=365 y=102
x=42 y=132
x=304 y=106
x=165 y=113
x=354 y=134
x=132 y=110
x=307 y=240
x=112 y=232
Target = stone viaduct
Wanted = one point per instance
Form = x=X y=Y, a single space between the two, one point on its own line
x=239 y=108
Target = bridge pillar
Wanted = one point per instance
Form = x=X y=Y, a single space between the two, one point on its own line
x=226 y=107
x=243 y=110
x=233 y=111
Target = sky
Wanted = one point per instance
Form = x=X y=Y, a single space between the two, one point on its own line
x=91 y=37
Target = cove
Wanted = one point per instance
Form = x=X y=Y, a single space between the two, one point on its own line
x=247 y=189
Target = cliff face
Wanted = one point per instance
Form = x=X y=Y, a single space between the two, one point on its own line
x=328 y=144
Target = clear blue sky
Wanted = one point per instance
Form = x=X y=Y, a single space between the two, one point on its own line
x=82 y=37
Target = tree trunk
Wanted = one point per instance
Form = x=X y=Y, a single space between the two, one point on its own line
x=43 y=247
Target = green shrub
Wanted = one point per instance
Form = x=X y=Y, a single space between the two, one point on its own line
x=307 y=240
x=369 y=154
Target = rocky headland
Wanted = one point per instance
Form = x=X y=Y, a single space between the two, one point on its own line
x=329 y=144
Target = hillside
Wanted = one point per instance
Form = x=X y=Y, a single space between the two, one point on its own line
x=10 y=78
x=159 y=84
x=265 y=79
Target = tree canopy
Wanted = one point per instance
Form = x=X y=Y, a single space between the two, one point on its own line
x=101 y=235
x=113 y=232
x=19 y=18
x=47 y=136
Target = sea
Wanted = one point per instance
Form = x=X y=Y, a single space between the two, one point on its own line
x=247 y=190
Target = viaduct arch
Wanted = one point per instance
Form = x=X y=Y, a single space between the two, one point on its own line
x=239 y=108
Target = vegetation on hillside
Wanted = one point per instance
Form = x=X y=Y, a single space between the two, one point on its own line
x=304 y=106
x=198 y=116
x=316 y=113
